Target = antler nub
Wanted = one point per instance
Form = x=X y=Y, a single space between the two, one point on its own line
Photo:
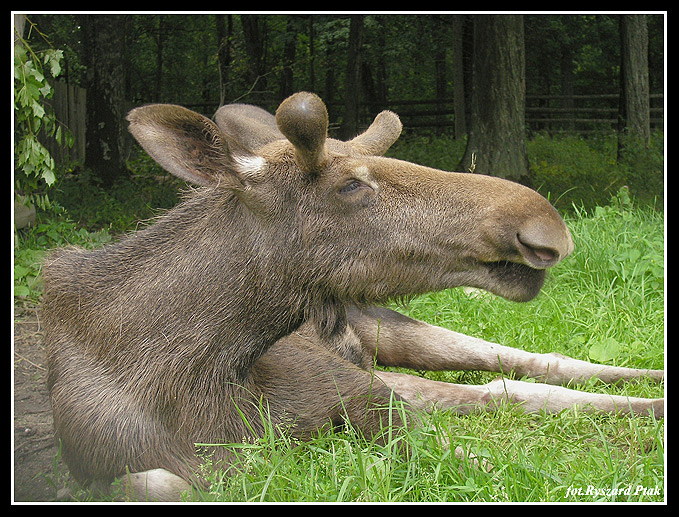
x=303 y=119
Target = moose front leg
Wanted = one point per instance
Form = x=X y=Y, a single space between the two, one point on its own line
x=396 y=340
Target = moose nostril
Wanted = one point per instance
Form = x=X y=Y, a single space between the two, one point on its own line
x=545 y=255
x=536 y=251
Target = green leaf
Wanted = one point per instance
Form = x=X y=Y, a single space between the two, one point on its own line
x=53 y=59
x=31 y=88
x=21 y=290
x=605 y=351
x=20 y=272
x=38 y=110
x=36 y=76
x=48 y=176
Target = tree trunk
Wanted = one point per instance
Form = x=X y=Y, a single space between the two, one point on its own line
x=160 y=47
x=497 y=132
x=352 y=92
x=103 y=37
x=254 y=29
x=224 y=25
x=459 y=105
x=289 y=51
x=635 y=102
x=19 y=23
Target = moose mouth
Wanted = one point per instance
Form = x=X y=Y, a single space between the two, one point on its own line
x=514 y=281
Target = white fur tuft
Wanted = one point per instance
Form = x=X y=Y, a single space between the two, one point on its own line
x=249 y=166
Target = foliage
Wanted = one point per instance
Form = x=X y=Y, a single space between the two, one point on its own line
x=643 y=164
x=571 y=169
x=399 y=54
x=443 y=153
x=568 y=169
x=33 y=164
x=129 y=200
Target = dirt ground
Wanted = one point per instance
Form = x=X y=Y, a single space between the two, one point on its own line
x=36 y=475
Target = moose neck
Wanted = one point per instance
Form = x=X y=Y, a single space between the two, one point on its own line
x=237 y=292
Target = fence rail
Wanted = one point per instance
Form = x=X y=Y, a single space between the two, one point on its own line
x=578 y=113
x=70 y=108
x=582 y=114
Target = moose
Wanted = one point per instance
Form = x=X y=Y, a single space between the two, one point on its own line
x=266 y=288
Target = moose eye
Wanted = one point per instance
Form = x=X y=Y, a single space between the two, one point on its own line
x=351 y=186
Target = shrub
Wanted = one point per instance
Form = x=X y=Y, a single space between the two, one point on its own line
x=33 y=164
x=568 y=170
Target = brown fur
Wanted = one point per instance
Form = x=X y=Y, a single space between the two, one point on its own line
x=244 y=295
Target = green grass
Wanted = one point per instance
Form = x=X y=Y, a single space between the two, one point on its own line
x=606 y=302
x=534 y=458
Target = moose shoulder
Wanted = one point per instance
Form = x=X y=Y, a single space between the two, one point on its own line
x=263 y=284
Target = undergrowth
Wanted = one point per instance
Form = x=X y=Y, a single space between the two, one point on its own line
x=568 y=169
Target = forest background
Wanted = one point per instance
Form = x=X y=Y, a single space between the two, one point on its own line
x=575 y=102
x=469 y=89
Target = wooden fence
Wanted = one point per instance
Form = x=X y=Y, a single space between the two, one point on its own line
x=70 y=104
x=583 y=114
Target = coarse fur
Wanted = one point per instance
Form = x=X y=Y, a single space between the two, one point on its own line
x=259 y=291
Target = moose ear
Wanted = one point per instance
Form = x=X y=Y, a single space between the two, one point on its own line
x=303 y=119
x=185 y=144
x=250 y=126
x=378 y=138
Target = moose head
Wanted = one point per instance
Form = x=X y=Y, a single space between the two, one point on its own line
x=364 y=227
